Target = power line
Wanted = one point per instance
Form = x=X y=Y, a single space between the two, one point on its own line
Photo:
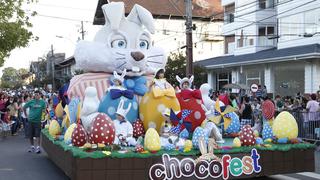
x=177 y=8
x=65 y=7
x=271 y=16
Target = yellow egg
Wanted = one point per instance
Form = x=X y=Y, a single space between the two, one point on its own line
x=54 y=128
x=151 y=109
x=59 y=111
x=285 y=126
x=188 y=145
x=152 y=140
x=68 y=134
x=236 y=142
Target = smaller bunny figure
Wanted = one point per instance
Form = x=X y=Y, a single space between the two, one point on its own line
x=160 y=86
x=210 y=127
x=207 y=153
x=167 y=125
x=117 y=80
x=185 y=83
x=124 y=129
x=89 y=108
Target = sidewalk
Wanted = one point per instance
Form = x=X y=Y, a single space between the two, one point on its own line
x=17 y=164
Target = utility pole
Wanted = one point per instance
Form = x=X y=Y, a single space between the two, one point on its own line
x=82 y=30
x=52 y=68
x=188 y=4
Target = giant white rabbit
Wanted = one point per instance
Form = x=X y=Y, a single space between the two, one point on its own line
x=122 y=43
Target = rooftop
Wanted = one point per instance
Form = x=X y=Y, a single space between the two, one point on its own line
x=162 y=9
x=266 y=56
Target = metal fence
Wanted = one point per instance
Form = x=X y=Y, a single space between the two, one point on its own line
x=308 y=124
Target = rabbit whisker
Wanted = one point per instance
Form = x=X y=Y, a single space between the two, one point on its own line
x=120 y=58
x=120 y=54
x=154 y=56
x=121 y=65
x=154 y=62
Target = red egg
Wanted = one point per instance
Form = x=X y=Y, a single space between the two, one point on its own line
x=102 y=130
x=138 y=129
x=79 y=136
x=139 y=148
x=246 y=136
x=191 y=100
x=268 y=109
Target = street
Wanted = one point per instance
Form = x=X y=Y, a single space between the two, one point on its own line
x=17 y=164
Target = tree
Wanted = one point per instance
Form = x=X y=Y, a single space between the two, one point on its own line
x=176 y=65
x=14 y=27
x=13 y=78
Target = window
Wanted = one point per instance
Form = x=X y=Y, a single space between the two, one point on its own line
x=223 y=79
x=229 y=44
x=266 y=31
x=229 y=14
x=263 y=33
x=253 y=77
x=311 y=22
x=264 y=4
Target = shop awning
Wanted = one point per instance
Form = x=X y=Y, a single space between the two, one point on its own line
x=266 y=56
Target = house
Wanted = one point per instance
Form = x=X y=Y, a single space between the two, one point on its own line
x=268 y=42
x=170 y=25
x=64 y=70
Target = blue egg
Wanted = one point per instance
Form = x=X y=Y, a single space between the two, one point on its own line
x=198 y=132
x=184 y=134
x=267 y=131
x=282 y=140
x=259 y=140
x=169 y=147
x=234 y=126
x=109 y=106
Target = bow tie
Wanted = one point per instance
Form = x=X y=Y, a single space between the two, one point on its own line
x=137 y=84
x=122 y=122
x=188 y=94
x=116 y=93
x=169 y=92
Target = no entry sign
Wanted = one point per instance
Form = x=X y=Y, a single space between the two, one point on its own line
x=254 y=87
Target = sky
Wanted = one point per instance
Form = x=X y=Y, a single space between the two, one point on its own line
x=51 y=22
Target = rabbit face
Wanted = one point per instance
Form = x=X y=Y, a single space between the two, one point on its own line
x=123 y=43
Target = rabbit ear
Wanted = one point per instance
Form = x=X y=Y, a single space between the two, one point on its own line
x=178 y=78
x=120 y=106
x=124 y=72
x=115 y=74
x=191 y=79
x=141 y=16
x=128 y=108
x=202 y=146
x=113 y=13
x=204 y=108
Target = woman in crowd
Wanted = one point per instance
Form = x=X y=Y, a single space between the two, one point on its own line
x=245 y=112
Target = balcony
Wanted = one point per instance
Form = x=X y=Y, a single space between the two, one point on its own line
x=263 y=41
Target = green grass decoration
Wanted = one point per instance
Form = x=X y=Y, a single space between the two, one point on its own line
x=82 y=153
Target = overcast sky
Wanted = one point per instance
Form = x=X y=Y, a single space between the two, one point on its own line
x=50 y=22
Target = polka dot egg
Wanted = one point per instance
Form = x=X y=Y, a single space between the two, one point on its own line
x=246 y=136
x=234 y=126
x=151 y=109
x=152 y=140
x=102 y=130
x=109 y=106
x=198 y=132
x=285 y=126
x=267 y=131
x=192 y=103
x=79 y=136
x=138 y=129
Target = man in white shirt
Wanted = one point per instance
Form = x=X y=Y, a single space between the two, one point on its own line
x=313 y=105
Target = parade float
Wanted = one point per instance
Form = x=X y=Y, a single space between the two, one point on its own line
x=125 y=121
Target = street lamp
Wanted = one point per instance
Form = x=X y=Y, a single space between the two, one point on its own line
x=63 y=37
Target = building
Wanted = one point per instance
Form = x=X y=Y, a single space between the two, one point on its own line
x=170 y=25
x=64 y=71
x=269 y=43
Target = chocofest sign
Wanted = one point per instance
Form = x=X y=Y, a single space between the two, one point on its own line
x=172 y=168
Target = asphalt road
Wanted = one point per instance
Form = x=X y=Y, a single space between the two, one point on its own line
x=17 y=164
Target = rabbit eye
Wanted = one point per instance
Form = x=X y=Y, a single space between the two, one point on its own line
x=119 y=44
x=144 y=44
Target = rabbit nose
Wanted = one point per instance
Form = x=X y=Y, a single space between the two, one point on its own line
x=138 y=56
